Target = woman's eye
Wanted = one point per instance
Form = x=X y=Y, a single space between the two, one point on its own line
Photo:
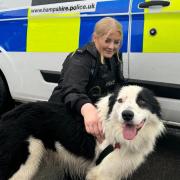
x=120 y=100
x=117 y=42
x=107 y=40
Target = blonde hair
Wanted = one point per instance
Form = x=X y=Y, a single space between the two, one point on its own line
x=104 y=26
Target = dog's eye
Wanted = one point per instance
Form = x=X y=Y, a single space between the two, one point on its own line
x=120 y=100
x=142 y=102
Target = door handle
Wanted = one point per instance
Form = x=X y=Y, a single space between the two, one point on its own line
x=154 y=3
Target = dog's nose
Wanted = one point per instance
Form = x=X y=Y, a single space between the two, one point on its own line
x=127 y=115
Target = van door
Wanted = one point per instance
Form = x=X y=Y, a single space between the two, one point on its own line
x=154 y=59
x=72 y=25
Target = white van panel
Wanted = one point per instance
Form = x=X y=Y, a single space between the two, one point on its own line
x=156 y=67
x=170 y=110
x=30 y=64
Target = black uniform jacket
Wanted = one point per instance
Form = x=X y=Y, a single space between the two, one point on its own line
x=84 y=79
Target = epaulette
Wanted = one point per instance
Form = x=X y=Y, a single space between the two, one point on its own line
x=80 y=50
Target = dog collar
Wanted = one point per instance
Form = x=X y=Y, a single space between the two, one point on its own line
x=117 y=146
x=107 y=151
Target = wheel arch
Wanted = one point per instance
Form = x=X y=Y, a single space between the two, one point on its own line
x=5 y=82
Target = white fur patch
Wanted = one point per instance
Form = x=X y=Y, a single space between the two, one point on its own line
x=27 y=170
x=124 y=161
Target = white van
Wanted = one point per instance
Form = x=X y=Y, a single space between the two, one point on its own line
x=37 y=35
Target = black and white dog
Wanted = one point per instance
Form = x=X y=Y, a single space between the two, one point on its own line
x=131 y=121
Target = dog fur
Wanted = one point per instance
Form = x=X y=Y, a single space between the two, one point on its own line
x=33 y=132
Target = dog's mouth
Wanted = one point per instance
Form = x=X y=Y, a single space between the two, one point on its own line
x=130 y=130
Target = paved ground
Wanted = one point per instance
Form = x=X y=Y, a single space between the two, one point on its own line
x=164 y=162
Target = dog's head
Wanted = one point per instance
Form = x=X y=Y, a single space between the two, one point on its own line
x=132 y=111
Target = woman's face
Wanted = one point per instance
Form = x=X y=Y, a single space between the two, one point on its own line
x=108 y=44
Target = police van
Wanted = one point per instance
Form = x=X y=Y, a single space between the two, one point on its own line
x=37 y=35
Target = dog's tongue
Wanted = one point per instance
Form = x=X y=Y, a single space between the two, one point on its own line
x=129 y=132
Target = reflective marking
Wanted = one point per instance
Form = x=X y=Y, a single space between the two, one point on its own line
x=167 y=38
x=137 y=33
x=53 y=34
x=13 y=35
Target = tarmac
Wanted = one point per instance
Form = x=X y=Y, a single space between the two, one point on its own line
x=164 y=162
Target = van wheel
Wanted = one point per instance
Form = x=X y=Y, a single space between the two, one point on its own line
x=6 y=102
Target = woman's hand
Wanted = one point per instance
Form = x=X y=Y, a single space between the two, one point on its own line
x=92 y=121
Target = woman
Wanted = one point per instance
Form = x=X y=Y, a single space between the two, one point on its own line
x=90 y=73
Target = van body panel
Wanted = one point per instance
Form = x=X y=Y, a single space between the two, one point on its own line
x=154 y=58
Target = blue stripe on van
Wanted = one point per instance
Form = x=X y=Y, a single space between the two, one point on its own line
x=109 y=7
x=20 y=13
x=87 y=28
x=13 y=35
x=137 y=33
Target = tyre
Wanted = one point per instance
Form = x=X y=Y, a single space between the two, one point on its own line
x=6 y=102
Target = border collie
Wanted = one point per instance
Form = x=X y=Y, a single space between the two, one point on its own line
x=131 y=119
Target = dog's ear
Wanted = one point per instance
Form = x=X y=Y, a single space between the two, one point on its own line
x=113 y=99
x=153 y=105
